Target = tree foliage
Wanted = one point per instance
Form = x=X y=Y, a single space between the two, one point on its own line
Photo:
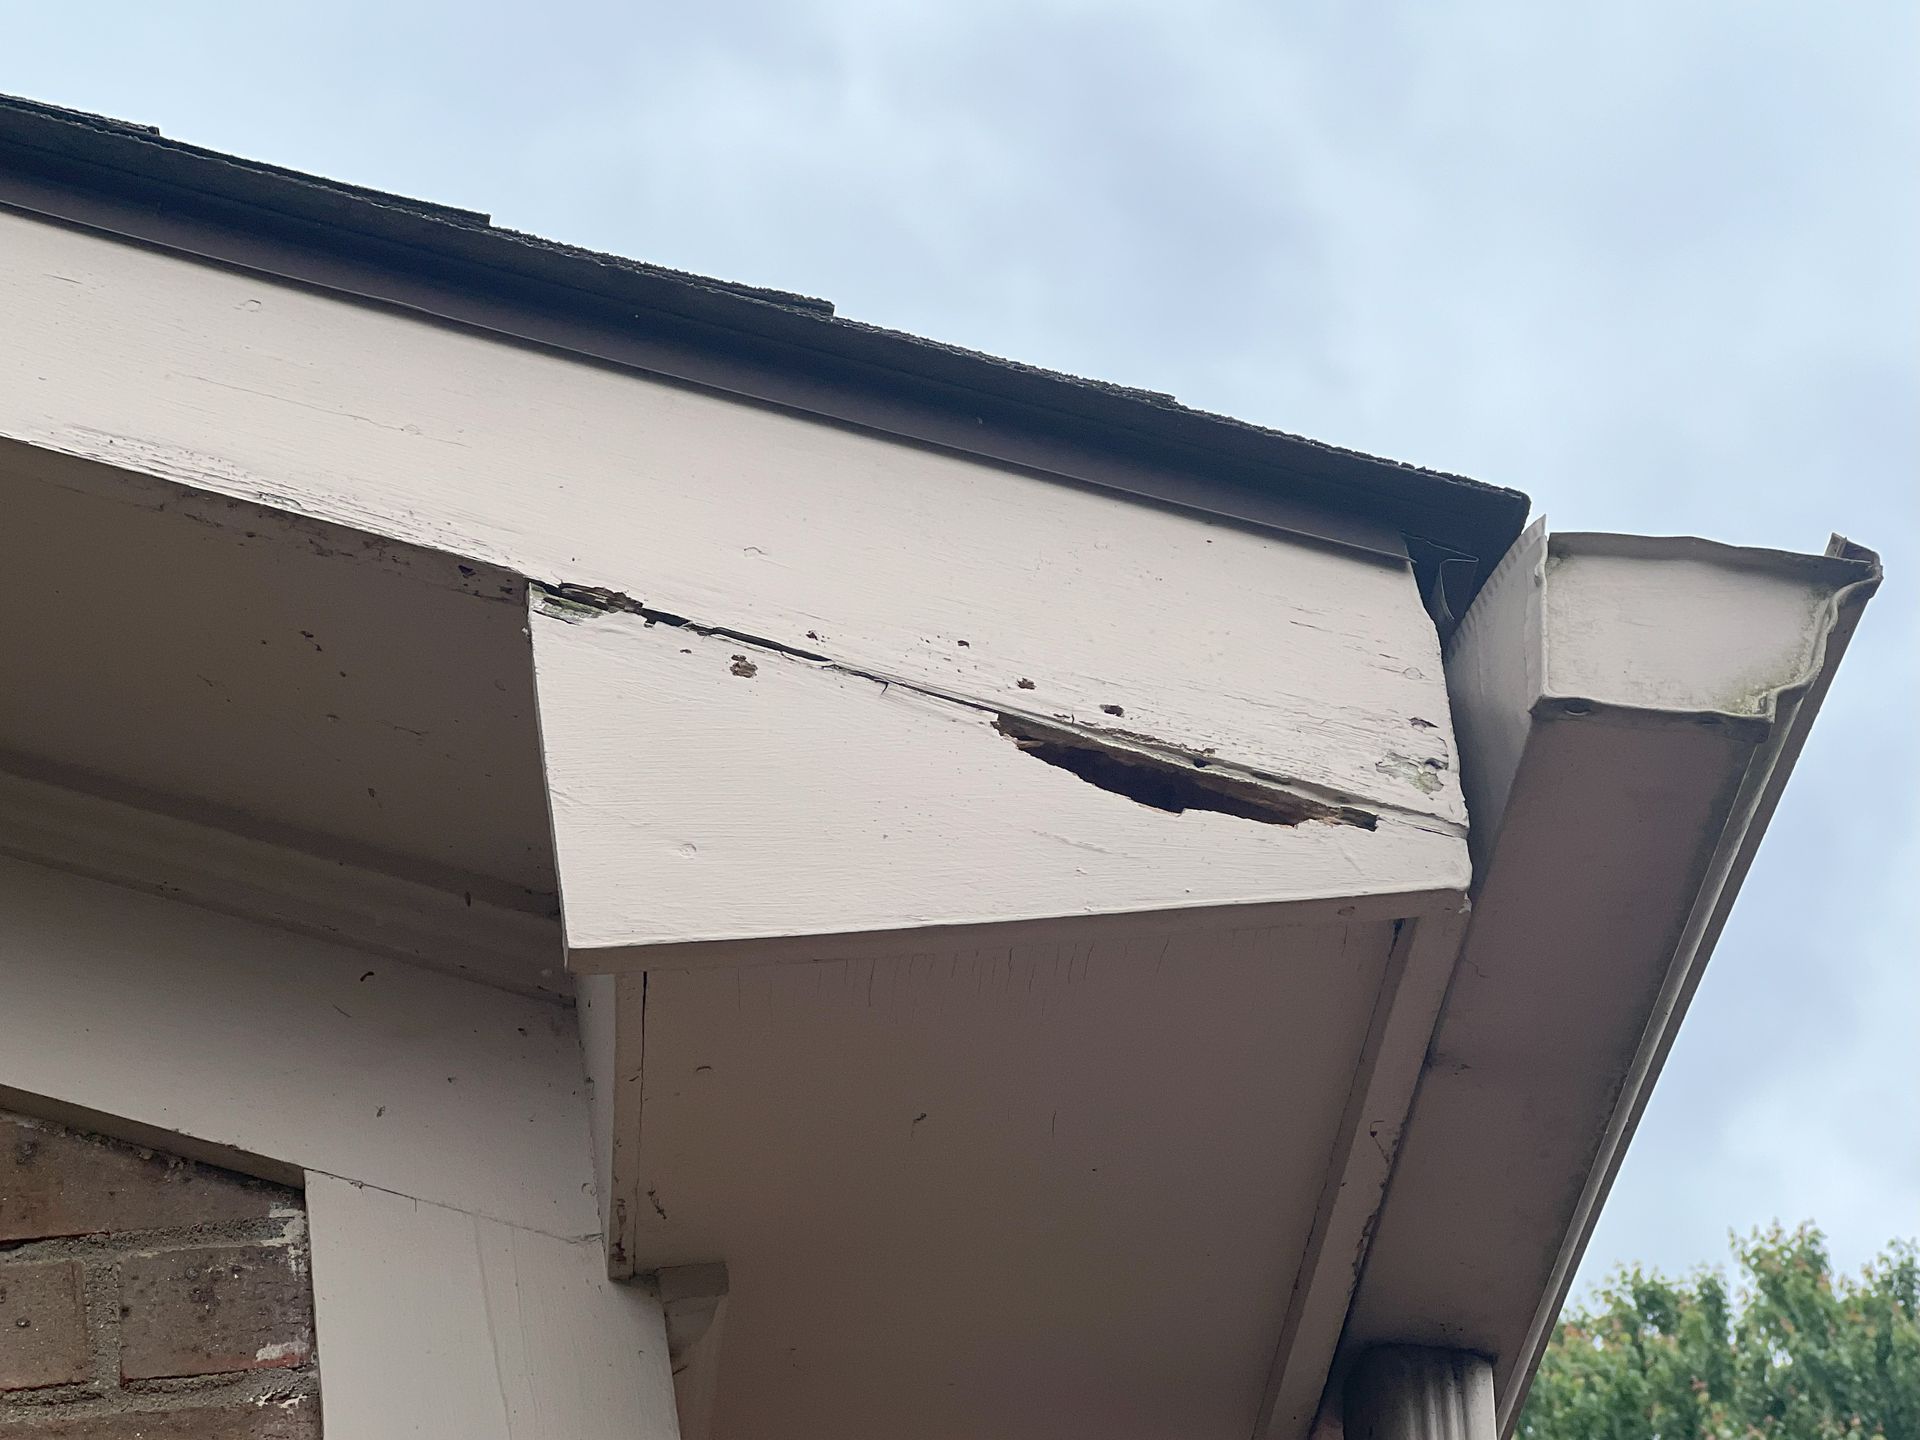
x=1795 y=1354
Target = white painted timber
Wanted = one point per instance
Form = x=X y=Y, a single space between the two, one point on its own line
x=1357 y=1171
x=1285 y=656
x=708 y=790
x=596 y=998
x=612 y=1011
x=1035 y=1191
x=621 y=1113
x=369 y=909
x=438 y=1324
x=1622 y=764
x=306 y=1053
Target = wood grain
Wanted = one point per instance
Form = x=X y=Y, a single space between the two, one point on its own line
x=705 y=790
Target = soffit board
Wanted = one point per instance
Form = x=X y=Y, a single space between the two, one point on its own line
x=258 y=675
x=1017 y=1191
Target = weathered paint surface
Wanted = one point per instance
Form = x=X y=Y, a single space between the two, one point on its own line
x=437 y=1323
x=705 y=789
x=1286 y=657
x=357 y=905
x=1756 y=622
x=307 y=1053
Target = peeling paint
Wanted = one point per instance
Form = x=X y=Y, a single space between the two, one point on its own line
x=1138 y=766
x=1423 y=775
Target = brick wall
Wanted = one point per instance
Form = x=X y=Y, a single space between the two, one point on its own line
x=143 y=1297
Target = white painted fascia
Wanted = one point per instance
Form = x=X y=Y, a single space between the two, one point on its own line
x=437 y=1322
x=951 y=571
x=717 y=801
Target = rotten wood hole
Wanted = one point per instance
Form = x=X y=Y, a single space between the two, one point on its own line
x=1174 y=786
x=1174 y=783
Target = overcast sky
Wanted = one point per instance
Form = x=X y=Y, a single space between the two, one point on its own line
x=1656 y=264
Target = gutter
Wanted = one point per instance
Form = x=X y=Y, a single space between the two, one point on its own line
x=1628 y=711
x=1788 y=711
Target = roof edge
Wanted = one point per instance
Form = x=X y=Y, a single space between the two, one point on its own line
x=756 y=343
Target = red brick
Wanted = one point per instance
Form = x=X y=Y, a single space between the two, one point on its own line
x=55 y=1182
x=213 y=1310
x=297 y=1421
x=43 y=1325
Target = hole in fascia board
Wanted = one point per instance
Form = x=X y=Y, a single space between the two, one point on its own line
x=1173 y=785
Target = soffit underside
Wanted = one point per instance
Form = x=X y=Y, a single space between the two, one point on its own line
x=1026 y=1191
x=310 y=685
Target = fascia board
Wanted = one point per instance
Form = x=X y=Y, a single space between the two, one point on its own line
x=885 y=558
x=715 y=801
x=89 y=170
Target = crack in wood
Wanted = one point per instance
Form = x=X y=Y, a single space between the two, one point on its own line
x=1139 y=767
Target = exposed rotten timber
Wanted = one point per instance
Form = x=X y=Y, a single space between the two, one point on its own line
x=1629 y=710
x=897 y=559
x=717 y=801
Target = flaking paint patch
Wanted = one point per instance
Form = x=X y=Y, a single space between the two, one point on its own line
x=1423 y=775
x=1138 y=766
x=292 y=1237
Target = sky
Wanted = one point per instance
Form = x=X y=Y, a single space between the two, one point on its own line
x=1656 y=265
